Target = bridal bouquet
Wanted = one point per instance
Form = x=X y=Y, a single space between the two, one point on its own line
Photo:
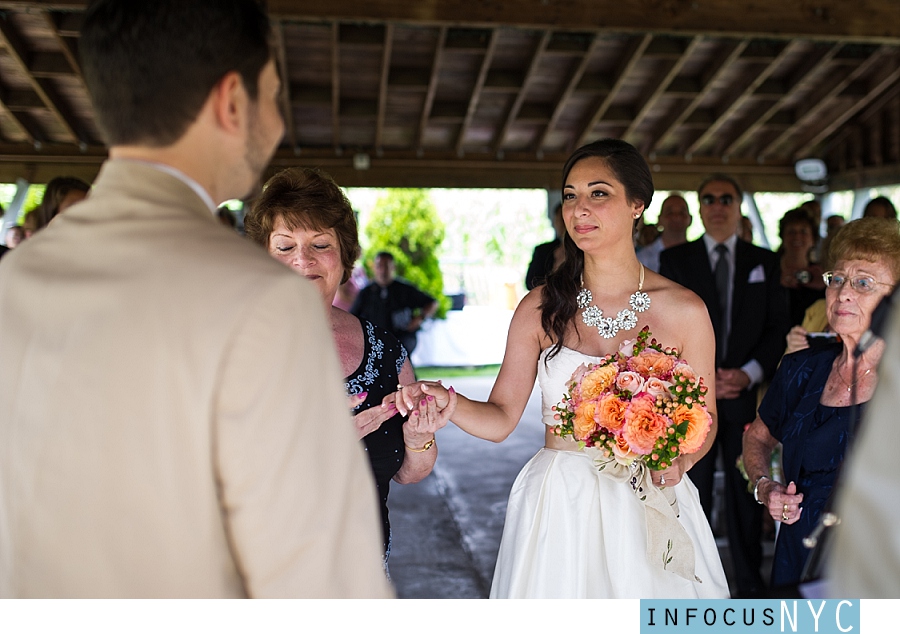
x=643 y=403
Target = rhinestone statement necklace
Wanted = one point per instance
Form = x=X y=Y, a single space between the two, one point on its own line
x=608 y=327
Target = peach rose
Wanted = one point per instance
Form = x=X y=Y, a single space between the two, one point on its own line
x=584 y=422
x=656 y=387
x=652 y=363
x=643 y=426
x=683 y=369
x=611 y=413
x=699 y=422
x=623 y=453
x=626 y=349
x=597 y=381
x=630 y=382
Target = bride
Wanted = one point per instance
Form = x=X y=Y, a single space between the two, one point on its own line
x=573 y=531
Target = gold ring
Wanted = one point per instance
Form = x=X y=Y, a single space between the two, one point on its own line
x=784 y=515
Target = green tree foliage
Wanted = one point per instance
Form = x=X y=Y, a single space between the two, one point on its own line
x=405 y=222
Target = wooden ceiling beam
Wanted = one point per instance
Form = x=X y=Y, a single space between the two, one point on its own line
x=732 y=52
x=15 y=116
x=817 y=102
x=523 y=90
x=886 y=82
x=476 y=90
x=336 y=86
x=571 y=85
x=633 y=53
x=18 y=54
x=432 y=87
x=287 y=104
x=738 y=96
x=383 y=84
x=750 y=129
x=658 y=86
x=862 y=20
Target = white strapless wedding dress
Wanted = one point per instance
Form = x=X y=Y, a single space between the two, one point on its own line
x=572 y=532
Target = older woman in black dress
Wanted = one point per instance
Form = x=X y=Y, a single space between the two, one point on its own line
x=810 y=405
x=304 y=220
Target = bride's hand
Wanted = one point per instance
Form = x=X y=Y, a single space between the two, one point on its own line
x=407 y=397
x=670 y=476
x=371 y=419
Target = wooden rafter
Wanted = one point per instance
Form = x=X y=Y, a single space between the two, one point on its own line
x=18 y=53
x=432 y=86
x=15 y=117
x=889 y=79
x=633 y=53
x=336 y=86
x=738 y=97
x=523 y=91
x=751 y=129
x=822 y=98
x=476 y=90
x=873 y=108
x=658 y=87
x=710 y=78
x=563 y=99
x=287 y=108
x=383 y=84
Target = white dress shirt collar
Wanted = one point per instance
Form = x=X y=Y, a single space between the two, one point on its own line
x=184 y=178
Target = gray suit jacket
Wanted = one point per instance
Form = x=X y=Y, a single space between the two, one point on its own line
x=172 y=423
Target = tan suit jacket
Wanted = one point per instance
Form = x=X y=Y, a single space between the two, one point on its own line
x=172 y=422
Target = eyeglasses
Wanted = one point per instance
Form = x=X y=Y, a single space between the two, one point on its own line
x=859 y=283
x=724 y=199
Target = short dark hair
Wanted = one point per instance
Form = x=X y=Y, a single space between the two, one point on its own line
x=798 y=216
x=883 y=202
x=150 y=65
x=722 y=178
x=308 y=199
x=385 y=254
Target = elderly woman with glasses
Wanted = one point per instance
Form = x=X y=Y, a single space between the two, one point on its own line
x=818 y=393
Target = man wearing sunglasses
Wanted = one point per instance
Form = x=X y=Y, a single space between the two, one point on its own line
x=748 y=307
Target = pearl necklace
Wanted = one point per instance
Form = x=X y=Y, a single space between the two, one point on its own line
x=626 y=319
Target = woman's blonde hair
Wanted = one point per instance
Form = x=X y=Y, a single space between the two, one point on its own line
x=870 y=239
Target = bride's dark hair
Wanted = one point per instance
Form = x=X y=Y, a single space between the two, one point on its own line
x=558 y=303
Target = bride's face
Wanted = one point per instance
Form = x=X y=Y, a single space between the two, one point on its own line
x=596 y=208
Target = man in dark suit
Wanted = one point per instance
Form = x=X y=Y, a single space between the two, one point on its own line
x=739 y=283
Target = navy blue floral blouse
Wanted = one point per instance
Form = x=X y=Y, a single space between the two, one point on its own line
x=814 y=438
x=379 y=374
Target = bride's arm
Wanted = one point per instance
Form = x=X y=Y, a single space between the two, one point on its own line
x=496 y=419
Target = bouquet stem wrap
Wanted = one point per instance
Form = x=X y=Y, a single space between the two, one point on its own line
x=668 y=544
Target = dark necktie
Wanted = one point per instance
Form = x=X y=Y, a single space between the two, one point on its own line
x=722 y=273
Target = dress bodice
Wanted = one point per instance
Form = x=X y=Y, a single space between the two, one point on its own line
x=554 y=374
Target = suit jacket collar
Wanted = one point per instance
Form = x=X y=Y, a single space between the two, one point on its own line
x=143 y=181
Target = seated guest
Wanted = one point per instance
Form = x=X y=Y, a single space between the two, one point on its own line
x=801 y=278
x=305 y=221
x=809 y=405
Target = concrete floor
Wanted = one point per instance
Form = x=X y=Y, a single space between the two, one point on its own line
x=447 y=528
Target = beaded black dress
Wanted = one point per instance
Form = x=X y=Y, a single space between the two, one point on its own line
x=379 y=374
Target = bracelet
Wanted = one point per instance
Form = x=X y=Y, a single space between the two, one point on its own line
x=425 y=448
x=756 y=487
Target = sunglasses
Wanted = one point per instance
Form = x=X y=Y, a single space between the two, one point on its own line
x=859 y=283
x=724 y=199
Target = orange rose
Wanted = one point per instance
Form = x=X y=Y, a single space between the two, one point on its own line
x=652 y=363
x=584 y=422
x=611 y=413
x=699 y=422
x=622 y=452
x=597 y=381
x=643 y=426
